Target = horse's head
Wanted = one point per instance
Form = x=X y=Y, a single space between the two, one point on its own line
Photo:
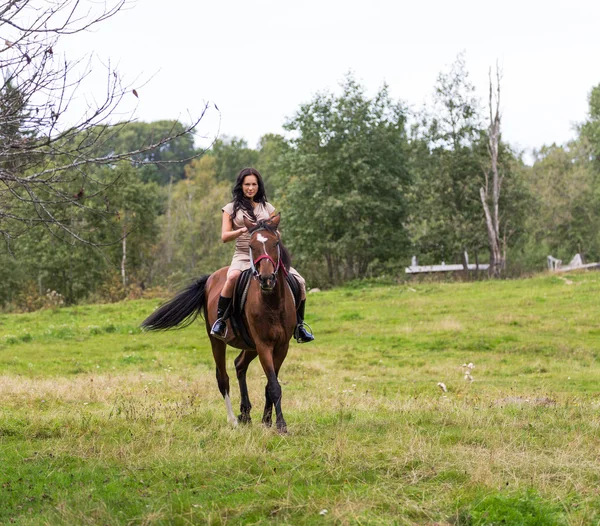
x=266 y=251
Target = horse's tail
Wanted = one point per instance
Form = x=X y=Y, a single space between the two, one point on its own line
x=180 y=311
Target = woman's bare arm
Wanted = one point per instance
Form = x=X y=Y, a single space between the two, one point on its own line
x=228 y=233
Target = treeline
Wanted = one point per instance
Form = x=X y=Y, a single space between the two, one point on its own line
x=362 y=183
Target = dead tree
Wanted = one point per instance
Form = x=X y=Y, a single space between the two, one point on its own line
x=46 y=153
x=490 y=201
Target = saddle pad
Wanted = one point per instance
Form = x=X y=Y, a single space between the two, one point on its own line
x=294 y=286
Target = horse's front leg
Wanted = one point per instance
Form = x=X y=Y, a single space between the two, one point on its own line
x=271 y=363
x=278 y=357
x=267 y=418
x=241 y=367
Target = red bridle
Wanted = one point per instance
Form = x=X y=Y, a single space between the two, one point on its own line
x=276 y=266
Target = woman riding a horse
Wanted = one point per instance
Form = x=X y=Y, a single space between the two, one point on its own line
x=250 y=201
x=270 y=315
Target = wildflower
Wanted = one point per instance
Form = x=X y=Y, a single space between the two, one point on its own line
x=467 y=371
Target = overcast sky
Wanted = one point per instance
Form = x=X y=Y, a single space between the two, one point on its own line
x=259 y=60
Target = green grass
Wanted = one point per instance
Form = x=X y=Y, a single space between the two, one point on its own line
x=103 y=424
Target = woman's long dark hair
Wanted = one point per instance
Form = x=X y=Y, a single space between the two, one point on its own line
x=240 y=202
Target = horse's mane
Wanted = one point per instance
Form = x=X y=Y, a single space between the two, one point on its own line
x=286 y=258
x=284 y=253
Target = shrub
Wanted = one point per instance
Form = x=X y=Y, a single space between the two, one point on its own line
x=30 y=299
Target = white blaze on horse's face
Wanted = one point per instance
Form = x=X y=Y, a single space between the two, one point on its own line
x=263 y=240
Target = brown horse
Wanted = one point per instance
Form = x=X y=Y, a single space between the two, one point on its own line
x=270 y=317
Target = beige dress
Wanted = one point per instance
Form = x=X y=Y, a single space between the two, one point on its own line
x=241 y=256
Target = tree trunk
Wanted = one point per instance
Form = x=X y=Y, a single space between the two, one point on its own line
x=349 y=270
x=169 y=246
x=329 y=267
x=496 y=260
x=465 y=262
x=124 y=258
x=363 y=267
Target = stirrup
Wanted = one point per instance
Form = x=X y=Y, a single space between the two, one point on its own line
x=303 y=325
x=222 y=337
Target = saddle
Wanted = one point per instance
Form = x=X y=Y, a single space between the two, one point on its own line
x=240 y=294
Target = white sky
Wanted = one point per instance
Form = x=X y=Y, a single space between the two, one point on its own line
x=259 y=60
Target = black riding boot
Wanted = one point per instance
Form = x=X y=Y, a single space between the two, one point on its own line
x=301 y=334
x=219 y=328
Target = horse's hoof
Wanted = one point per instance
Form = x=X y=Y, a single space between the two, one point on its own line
x=244 y=419
x=282 y=430
x=267 y=423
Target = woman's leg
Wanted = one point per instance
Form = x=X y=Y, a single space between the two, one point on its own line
x=232 y=277
x=301 y=333
x=301 y=281
x=219 y=328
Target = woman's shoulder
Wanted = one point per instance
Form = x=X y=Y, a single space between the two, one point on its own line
x=263 y=210
x=228 y=208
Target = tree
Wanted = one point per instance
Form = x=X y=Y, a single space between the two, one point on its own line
x=190 y=239
x=161 y=164
x=346 y=176
x=134 y=206
x=456 y=121
x=271 y=153
x=450 y=163
x=563 y=219
x=46 y=154
x=447 y=152
x=590 y=129
x=563 y=197
x=590 y=137
x=490 y=197
x=231 y=155
x=127 y=211
x=565 y=183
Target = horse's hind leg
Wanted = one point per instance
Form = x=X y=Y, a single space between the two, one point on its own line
x=241 y=367
x=218 y=349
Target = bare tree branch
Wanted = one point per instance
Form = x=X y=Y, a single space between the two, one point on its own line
x=47 y=157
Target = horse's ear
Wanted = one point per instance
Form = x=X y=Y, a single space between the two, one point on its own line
x=248 y=224
x=275 y=220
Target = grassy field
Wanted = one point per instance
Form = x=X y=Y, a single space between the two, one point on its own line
x=103 y=424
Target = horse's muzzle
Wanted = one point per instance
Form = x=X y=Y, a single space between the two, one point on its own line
x=267 y=283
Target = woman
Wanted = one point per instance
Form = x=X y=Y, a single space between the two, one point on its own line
x=249 y=200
